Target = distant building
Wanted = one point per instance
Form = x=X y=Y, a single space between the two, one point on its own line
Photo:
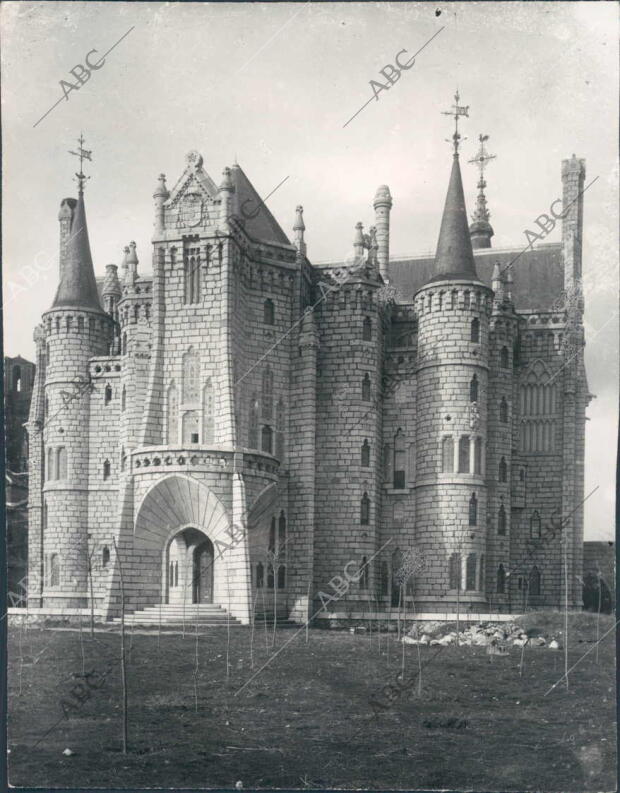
x=18 y=382
x=246 y=425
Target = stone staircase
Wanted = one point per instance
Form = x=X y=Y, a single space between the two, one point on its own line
x=206 y=615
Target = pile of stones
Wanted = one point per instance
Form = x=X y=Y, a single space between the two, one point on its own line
x=484 y=634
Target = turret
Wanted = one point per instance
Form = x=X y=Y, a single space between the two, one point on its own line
x=358 y=242
x=111 y=291
x=160 y=196
x=131 y=260
x=573 y=178
x=225 y=193
x=298 y=231
x=383 y=205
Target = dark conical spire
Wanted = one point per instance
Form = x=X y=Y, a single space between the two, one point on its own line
x=78 y=288
x=454 y=257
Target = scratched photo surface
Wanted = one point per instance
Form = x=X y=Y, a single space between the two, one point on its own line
x=311 y=395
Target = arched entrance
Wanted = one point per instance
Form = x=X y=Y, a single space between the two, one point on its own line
x=188 y=571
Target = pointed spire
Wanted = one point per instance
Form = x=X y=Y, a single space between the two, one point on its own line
x=131 y=260
x=481 y=230
x=454 y=257
x=298 y=230
x=77 y=287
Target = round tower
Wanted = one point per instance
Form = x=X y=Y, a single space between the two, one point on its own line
x=76 y=328
x=453 y=310
x=383 y=206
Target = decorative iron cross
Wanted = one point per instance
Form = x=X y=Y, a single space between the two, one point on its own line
x=457 y=110
x=83 y=154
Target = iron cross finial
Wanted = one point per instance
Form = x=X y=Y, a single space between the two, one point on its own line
x=482 y=157
x=83 y=154
x=456 y=111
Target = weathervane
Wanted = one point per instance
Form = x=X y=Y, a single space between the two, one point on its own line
x=457 y=110
x=481 y=159
x=83 y=154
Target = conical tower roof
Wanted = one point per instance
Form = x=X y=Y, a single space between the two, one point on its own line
x=77 y=287
x=454 y=257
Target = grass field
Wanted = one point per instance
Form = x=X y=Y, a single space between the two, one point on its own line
x=305 y=720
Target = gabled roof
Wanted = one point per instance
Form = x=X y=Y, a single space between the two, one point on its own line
x=77 y=287
x=259 y=223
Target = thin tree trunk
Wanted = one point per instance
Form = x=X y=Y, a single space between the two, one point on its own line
x=196 y=671
x=80 y=618
x=92 y=596
x=275 y=606
x=252 y=630
x=123 y=664
x=458 y=611
x=228 y=627
x=309 y=610
x=566 y=613
x=265 y=618
x=400 y=598
x=598 y=616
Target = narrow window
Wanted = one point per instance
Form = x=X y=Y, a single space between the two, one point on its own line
x=50 y=465
x=191 y=268
x=281 y=533
x=453 y=298
x=501 y=580
x=106 y=469
x=272 y=537
x=123 y=399
x=447 y=455
x=268 y=312
x=136 y=313
x=269 y=576
x=260 y=573
x=207 y=412
x=365 y=455
x=267 y=439
x=366 y=388
x=464 y=454
x=399 y=460
x=470 y=572
x=522 y=475
x=69 y=322
x=535 y=525
x=61 y=463
x=253 y=423
x=280 y=423
x=191 y=376
x=17 y=379
x=473 y=510
x=475 y=330
x=454 y=572
x=473 y=389
x=363 y=573
x=281 y=576
x=504 y=361
x=478 y=456
x=534 y=582
x=466 y=300
x=503 y=470
x=105 y=556
x=365 y=510
x=367 y=329
x=91 y=324
x=503 y=411
x=501 y=520
x=267 y=393
x=107 y=395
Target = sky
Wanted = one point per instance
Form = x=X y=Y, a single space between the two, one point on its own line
x=272 y=87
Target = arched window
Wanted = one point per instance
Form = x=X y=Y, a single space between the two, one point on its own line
x=400 y=459
x=475 y=330
x=267 y=439
x=454 y=571
x=123 y=399
x=535 y=525
x=464 y=454
x=107 y=395
x=106 y=469
x=267 y=393
x=61 y=463
x=534 y=581
x=81 y=324
x=447 y=455
x=453 y=298
x=260 y=573
x=191 y=376
x=270 y=576
x=363 y=574
x=503 y=411
x=478 y=456
x=105 y=556
x=501 y=520
x=473 y=389
x=54 y=570
x=191 y=271
x=503 y=470
x=271 y=548
x=481 y=584
x=280 y=423
x=281 y=533
x=281 y=576
x=470 y=572
x=365 y=510
x=365 y=454
x=57 y=324
x=172 y=416
x=473 y=510
x=466 y=299
x=268 y=312
x=504 y=358
x=253 y=422
x=501 y=580
x=190 y=427
x=207 y=412
x=366 y=388
x=367 y=329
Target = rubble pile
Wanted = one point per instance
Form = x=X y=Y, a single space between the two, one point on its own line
x=484 y=634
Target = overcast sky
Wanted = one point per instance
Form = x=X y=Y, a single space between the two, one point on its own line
x=273 y=85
